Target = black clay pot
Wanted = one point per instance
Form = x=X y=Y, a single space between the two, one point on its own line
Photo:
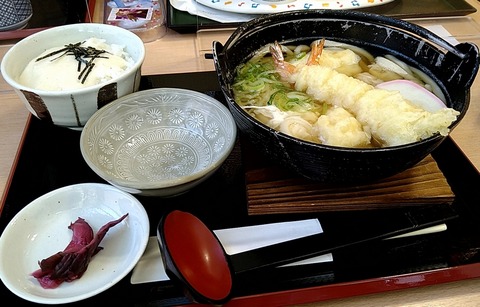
x=453 y=67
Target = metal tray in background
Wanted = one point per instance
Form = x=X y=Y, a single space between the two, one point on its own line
x=183 y=22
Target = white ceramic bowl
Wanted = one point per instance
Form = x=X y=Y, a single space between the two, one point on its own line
x=40 y=230
x=158 y=142
x=72 y=108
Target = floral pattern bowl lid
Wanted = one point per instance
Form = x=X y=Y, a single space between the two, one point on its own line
x=158 y=142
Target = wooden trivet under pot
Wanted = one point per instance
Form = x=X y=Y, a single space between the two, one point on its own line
x=271 y=190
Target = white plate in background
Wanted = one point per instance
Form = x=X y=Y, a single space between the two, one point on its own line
x=276 y=6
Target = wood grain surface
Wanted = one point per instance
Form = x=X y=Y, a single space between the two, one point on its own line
x=271 y=190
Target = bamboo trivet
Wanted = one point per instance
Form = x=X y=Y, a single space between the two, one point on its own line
x=272 y=191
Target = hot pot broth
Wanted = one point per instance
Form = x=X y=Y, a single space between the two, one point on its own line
x=341 y=95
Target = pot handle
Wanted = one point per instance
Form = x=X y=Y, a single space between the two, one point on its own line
x=217 y=55
x=461 y=61
x=463 y=74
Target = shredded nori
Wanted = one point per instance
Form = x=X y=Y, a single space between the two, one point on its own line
x=85 y=55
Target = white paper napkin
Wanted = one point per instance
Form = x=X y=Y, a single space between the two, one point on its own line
x=150 y=266
x=443 y=33
x=234 y=240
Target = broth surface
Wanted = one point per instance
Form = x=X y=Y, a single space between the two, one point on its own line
x=340 y=95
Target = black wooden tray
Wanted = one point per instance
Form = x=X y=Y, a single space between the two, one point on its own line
x=49 y=158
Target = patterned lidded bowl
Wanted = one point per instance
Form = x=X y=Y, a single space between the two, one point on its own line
x=15 y=14
x=158 y=142
x=61 y=103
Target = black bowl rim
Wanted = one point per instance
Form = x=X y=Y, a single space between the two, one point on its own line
x=261 y=21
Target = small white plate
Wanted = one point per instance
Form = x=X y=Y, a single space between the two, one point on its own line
x=40 y=230
x=276 y=6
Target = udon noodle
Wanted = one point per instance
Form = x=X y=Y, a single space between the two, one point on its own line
x=340 y=95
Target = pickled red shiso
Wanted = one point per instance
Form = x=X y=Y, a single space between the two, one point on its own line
x=72 y=262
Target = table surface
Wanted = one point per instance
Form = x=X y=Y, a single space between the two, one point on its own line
x=184 y=53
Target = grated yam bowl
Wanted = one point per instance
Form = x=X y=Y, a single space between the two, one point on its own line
x=72 y=108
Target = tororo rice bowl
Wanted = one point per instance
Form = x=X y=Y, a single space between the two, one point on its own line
x=66 y=105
